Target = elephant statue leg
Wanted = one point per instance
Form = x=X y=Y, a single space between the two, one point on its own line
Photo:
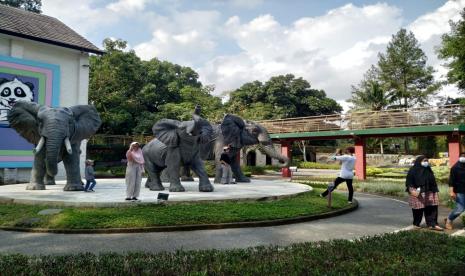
x=218 y=172
x=186 y=173
x=174 y=159
x=73 y=175
x=153 y=181
x=38 y=172
x=49 y=180
x=238 y=175
x=199 y=169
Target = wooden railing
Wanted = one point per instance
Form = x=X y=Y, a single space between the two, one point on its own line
x=103 y=139
x=444 y=115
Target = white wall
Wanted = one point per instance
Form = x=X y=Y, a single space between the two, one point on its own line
x=74 y=72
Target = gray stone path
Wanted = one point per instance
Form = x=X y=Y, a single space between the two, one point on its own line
x=375 y=215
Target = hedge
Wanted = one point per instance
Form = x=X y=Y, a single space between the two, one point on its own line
x=403 y=253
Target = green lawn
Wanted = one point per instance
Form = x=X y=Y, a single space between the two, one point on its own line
x=171 y=214
x=384 y=186
x=404 y=253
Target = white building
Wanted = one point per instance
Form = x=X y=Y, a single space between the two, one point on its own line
x=42 y=51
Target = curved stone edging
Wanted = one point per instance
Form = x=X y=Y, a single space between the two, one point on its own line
x=191 y=227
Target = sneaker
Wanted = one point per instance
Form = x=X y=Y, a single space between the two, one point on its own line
x=350 y=202
x=448 y=224
x=128 y=198
x=91 y=190
x=135 y=199
x=416 y=227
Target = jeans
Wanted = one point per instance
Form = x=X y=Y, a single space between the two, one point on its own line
x=338 y=181
x=459 y=207
x=90 y=183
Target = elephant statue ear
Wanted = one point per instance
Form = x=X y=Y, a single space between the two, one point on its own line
x=23 y=118
x=204 y=128
x=235 y=133
x=166 y=130
x=87 y=122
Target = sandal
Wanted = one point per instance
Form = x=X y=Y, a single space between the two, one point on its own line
x=436 y=228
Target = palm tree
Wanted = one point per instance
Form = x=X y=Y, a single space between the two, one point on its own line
x=370 y=95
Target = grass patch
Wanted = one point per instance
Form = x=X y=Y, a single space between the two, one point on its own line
x=402 y=253
x=384 y=186
x=172 y=214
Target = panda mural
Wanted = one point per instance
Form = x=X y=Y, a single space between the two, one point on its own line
x=12 y=91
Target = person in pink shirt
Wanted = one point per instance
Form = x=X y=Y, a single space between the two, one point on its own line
x=134 y=171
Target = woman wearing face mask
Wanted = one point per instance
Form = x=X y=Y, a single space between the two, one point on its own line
x=423 y=194
x=457 y=190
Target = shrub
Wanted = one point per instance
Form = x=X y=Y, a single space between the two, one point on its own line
x=315 y=165
x=402 y=253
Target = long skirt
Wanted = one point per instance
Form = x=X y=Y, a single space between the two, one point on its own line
x=133 y=179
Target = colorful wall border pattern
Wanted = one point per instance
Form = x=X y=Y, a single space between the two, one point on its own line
x=48 y=76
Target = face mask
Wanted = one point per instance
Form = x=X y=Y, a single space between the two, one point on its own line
x=425 y=164
x=462 y=159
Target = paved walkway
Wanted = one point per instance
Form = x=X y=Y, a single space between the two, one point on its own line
x=111 y=192
x=375 y=215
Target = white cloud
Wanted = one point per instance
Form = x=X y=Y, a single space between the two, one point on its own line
x=185 y=37
x=249 y=4
x=332 y=51
x=428 y=29
x=82 y=16
x=127 y=5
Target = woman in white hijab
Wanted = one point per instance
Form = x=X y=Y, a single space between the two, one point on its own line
x=134 y=171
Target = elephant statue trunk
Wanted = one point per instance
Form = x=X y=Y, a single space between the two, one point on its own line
x=53 y=146
x=271 y=152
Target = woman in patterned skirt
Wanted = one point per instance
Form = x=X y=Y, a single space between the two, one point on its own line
x=423 y=194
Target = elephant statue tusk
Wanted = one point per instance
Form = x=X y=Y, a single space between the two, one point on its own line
x=39 y=146
x=68 y=146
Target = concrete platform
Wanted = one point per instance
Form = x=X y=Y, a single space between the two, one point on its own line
x=112 y=192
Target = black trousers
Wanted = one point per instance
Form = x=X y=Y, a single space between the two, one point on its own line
x=340 y=180
x=431 y=216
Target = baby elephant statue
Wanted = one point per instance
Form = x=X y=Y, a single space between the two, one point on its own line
x=177 y=144
x=57 y=133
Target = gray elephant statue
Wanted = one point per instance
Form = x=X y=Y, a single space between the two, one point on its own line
x=177 y=144
x=57 y=133
x=237 y=133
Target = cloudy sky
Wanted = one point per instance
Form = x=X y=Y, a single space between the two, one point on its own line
x=329 y=43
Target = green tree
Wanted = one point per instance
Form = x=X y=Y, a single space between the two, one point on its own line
x=369 y=94
x=404 y=73
x=115 y=79
x=281 y=96
x=453 y=51
x=131 y=94
x=29 y=5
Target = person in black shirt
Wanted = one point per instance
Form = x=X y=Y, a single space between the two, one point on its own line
x=226 y=172
x=457 y=190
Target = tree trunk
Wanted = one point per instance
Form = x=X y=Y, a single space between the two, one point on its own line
x=381 y=146
x=304 y=151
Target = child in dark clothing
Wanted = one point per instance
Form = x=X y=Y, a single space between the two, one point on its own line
x=90 y=176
